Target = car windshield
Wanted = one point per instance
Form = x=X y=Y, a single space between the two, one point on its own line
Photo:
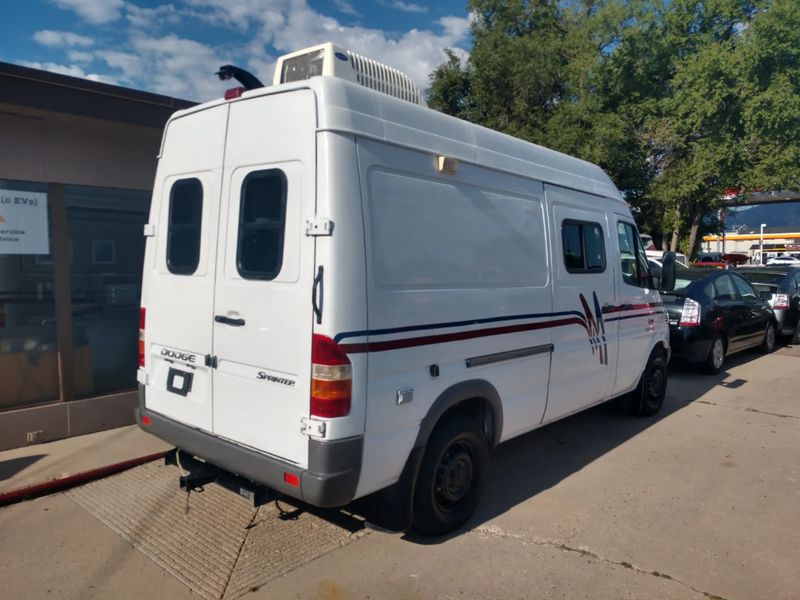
x=685 y=277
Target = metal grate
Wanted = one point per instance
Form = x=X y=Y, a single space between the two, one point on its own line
x=222 y=547
x=383 y=78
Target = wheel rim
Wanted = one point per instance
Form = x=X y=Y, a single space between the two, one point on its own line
x=770 y=336
x=655 y=383
x=454 y=475
x=717 y=354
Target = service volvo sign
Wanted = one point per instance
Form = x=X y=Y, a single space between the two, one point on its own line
x=23 y=223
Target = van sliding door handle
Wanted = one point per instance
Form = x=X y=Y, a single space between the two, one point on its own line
x=229 y=321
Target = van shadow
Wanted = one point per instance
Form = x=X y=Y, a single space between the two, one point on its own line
x=10 y=467
x=537 y=461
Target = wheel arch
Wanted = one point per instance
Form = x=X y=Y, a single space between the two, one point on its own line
x=478 y=398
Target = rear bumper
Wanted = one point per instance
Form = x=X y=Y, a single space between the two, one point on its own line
x=330 y=480
x=690 y=344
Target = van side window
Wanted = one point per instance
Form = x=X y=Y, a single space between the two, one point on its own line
x=584 y=247
x=262 y=220
x=183 y=229
x=635 y=268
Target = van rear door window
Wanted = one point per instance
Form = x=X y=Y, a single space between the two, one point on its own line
x=185 y=222
x=262 y=221
x=584 y=247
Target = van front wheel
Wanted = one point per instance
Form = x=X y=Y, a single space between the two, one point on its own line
x=648 y=397
x=452 y=476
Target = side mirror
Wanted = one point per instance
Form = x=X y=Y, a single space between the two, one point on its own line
x=668 y=272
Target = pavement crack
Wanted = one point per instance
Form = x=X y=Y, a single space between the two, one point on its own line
x=497 y=532
x=247 y=529
x=749 y=409
x=774 y=414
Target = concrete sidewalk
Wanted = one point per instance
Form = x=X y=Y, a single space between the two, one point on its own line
x=41 y=463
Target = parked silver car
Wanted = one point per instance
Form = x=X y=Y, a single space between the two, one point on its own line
x=780 y=286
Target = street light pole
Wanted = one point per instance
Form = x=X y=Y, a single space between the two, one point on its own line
x=761 y=245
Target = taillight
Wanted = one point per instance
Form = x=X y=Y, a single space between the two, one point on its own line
x=141 y=337
x=781 y=301
x=331 y=379
x=690 y=316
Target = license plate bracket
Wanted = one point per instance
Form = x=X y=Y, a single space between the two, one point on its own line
x=179 y=382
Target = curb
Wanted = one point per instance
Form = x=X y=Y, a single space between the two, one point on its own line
x=64 y=483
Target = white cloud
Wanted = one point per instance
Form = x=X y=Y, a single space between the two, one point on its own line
x=71 y=70
x=148 y=18
x=345 y=8
x=168 y=65
x=94 y=11
x=80 y=56
x=48 y=37
x=408 y=6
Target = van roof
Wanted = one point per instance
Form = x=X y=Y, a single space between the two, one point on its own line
x=347 y=107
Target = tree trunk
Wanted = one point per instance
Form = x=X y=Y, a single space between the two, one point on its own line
x=673 y=245
x=698 y=215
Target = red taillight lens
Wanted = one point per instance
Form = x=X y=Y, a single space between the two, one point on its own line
x=781 y=301
x=141 y=336
x=690 y=317
x=233 y=93
x=291 y=479
x=331 y=379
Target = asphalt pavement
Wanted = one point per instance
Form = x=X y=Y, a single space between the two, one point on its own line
x=699 y=502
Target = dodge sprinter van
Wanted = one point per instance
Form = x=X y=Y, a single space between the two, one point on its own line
x=345 y=291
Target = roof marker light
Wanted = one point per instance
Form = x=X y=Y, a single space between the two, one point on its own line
x=233 y=93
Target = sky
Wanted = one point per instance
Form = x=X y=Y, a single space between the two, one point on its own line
x=174 y=47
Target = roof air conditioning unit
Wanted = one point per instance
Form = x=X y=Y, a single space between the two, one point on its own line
x=333 y=61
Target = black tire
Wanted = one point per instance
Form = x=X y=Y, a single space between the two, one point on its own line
x=770 y=335
x=648 y=397
x=452 y=476
x=796 y=334
x=716 y=356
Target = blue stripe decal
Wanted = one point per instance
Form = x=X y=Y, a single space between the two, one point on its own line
x=370 y=332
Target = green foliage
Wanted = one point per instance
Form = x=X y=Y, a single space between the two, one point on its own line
x=675 y=99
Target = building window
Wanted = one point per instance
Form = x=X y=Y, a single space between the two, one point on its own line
x=185 y=222
x=584 y=246
x=103 y=252
x=262 y=220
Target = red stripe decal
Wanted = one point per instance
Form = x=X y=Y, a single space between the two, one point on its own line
x=427 y=340
x=614 y=309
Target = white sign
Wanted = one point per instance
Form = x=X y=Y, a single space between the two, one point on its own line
x=23 y=223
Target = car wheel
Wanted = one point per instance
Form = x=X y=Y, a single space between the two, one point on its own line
x=796 y=334
x=716 y=356
x=452 y=476
x=768 y=345
x=648 y=397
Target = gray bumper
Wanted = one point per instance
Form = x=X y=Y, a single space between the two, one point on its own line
x=330 y=480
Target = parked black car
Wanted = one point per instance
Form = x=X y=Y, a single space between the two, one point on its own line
x=714 y=313
x=780 y=287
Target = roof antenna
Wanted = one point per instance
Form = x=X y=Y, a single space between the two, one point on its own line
x=247 y=79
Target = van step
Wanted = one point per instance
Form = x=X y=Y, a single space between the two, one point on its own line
x=196 y=474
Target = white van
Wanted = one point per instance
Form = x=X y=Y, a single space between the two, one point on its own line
x=346 y=292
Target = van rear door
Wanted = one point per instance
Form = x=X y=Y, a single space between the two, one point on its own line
x=179 y=274
x=265 y=275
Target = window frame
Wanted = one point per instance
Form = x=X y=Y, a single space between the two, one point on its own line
x=639 y=255
x=186 y=271
x=742 y=281
x=248 y=273
x=581 y=224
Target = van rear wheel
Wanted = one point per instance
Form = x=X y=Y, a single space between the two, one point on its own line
x=452 y=476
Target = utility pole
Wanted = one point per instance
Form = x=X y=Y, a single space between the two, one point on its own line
x=761 y=245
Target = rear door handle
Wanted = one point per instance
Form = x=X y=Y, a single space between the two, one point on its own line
x=229 y=321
